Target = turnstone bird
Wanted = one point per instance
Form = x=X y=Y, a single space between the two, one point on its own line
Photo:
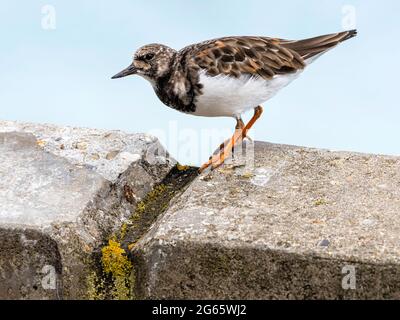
x=226 y=77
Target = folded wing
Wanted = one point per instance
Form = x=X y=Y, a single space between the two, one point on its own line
x=260 y=56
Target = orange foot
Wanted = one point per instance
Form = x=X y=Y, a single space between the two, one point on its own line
x=227 y=147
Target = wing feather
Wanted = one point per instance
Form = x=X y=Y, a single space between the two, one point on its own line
x=259 y=56
x=253 y=56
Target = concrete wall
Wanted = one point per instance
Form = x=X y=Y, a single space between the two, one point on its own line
x=94 y=214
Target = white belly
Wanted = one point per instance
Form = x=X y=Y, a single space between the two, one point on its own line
x=225 y=96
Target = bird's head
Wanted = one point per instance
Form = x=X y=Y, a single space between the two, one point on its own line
x=151 y=62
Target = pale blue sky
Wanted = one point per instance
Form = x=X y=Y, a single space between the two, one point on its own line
x=347 y=100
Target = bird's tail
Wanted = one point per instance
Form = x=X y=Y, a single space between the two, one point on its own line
x=312 y=47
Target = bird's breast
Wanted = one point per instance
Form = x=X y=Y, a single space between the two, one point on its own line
x=225 y=96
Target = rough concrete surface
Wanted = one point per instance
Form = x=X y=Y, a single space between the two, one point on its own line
x=288 y=223
x=303 y=223
x=63 y=191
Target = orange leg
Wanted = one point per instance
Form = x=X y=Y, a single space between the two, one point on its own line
x=257 y=114
x=238 y=136
x=239 y=126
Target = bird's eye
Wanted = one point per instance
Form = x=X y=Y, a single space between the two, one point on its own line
x=148 y=56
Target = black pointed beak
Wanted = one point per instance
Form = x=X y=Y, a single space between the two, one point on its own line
x=126 y=72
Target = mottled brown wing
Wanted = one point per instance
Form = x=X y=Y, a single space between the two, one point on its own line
x=260 y=56
x=255 y=56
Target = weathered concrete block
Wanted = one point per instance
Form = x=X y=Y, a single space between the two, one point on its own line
x=303 y=223
x=63 y=191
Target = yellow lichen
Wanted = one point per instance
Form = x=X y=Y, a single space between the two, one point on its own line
x=131 y=246
x=41 y=143
x=141 y=207
x=248 y=175
x=116 y=263
x=226 y=170
x=114 y=259
x=114 y=276
x=150 y=198
x=182 y=168
x=319 y=202
x=157 y=191
x=95 y=287
x=123 y=231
